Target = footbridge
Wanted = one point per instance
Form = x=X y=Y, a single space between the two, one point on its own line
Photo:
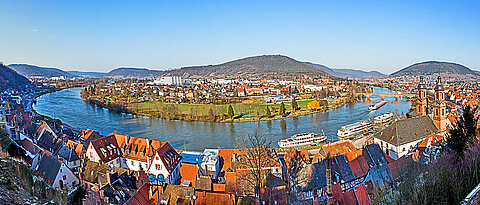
x=383 y=95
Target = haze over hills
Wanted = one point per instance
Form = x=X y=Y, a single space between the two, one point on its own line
x=36 y=71
x=434 y=67
x=268 y=66
x=347 y=73
x=11 y=79
x=87 y=74
x=133 y=73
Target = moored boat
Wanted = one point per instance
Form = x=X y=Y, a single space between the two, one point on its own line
x=377 y=105
x=301 y=140
x=355 y=129
x=384 y=119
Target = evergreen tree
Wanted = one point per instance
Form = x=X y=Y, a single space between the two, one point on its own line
x=230 y=112
x=294 y=104
x=282 y=109
x=268 y=113
x=464 y=132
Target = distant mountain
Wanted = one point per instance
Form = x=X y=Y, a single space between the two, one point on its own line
x=36 y=71
x=268 y=66
x=87 y=74
x=434 y=67
x=11 y=79
x=133 y=73
x=347 y=73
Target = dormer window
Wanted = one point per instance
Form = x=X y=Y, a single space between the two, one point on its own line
x=142 y=154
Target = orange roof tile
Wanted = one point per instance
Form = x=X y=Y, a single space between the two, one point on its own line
x=189 y=172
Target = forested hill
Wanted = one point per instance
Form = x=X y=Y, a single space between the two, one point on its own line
x=434 y=67
x=11 y=79
x=266 y=66
x=36 y=71
x=132 y=73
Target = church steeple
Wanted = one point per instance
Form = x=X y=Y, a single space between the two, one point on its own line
x=421 y=98
x=439 y=107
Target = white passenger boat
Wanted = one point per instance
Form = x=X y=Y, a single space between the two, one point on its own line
x=377 y=105
x=301 y=140
x=384 y=119
x=355 y=129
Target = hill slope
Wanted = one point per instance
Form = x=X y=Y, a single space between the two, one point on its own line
x=269 y=66
x=10 y=79
x=87 y=74
x=347 y=73
x=36 y=71
x=434 y=67
x=132 y=73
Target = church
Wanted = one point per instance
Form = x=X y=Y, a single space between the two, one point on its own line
x=403 y=135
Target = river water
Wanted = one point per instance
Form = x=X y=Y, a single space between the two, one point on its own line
x=68 y=106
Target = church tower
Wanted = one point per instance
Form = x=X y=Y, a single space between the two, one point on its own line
x=439 y=107
x=421 y=98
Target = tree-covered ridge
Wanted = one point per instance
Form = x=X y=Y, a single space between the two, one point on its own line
x=133 y=73
x=10 y=79
x=32 y=71
x=434 y=67
x=271 y=66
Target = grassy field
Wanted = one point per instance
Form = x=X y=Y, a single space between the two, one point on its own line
x=243 y=112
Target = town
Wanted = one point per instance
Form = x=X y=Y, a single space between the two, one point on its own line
x=122 y=169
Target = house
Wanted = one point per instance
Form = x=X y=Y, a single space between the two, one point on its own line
x=403 y=135
x=85 y=136
x=119 y=188
x=155 y=157
x=55 y=173
x=309 y=179
x=170 y=194
x=104 y=151
x=70 y=157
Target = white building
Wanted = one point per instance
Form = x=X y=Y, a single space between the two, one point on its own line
x=210 y=166
x=169 y=80
x=403 y=135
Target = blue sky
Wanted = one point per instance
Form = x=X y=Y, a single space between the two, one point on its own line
x=368 y=35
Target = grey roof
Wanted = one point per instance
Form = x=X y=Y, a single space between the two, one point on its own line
x=68 y=154
x=374 y=155
x=379 y=170
x=407 y=130
x=49 y=167
x=342 y=167
x=312 y=176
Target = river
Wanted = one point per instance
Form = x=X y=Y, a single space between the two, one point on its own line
x=68 y=106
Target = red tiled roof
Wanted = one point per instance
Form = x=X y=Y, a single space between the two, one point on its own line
x=362 y=196
x=29 y=146
x=207 y=198
x=106 y=148
x=189 y=172
x=141 y=197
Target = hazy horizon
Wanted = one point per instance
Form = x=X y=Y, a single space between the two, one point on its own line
x=372 y=36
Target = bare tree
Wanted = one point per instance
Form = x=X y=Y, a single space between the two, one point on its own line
x=256 y=157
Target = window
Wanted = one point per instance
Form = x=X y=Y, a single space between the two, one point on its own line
x=64 y=177
x=403 y=149
x=158 y=166
x=133 y=163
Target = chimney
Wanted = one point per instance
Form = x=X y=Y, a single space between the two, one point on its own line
x=148 y=143
x=126 y=139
